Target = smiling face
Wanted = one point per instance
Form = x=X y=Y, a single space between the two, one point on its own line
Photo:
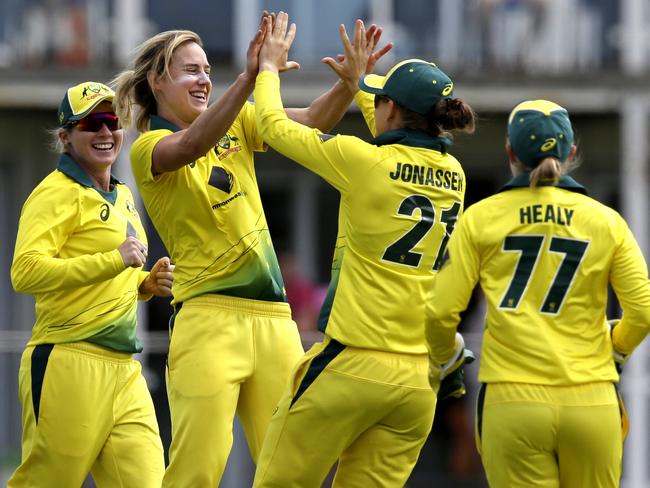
x=94 y=151
x=184 y=95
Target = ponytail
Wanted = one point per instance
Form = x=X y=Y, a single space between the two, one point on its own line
x=452 y=114
x=446 y=115
x=549 y=169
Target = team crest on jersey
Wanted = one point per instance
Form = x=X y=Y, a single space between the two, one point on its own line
x=227 y=144
x=221 y=179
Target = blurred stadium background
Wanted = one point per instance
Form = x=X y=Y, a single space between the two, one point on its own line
x=592 y=56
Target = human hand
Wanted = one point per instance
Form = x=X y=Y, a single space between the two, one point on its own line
x=453 y=384
x=133 y=252
x=619 y=358
x=450 y=377
x=252 y=54
x=160 y=279
x=359 y=57
x=274 y=53
x=377 y=55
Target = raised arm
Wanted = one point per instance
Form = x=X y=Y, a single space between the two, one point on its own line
x=328 y=109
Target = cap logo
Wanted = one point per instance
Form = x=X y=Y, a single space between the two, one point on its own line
x=93 y=87
x=549 y=144
x=447 y=89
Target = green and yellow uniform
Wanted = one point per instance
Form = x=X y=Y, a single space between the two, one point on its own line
x=85 y=332
x=543 y=258
x=231 y=313
x=363 y=394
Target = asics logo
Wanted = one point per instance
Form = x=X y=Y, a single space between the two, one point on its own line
x=104 y=212
x=549 y=144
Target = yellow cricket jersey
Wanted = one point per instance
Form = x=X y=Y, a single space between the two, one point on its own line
x=209 y=215
x=66 y=256
x=400 y=197
x=543 y=258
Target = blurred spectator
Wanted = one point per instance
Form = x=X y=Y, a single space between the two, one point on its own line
x=544 y=36
x=54 y=31
x=510 y=29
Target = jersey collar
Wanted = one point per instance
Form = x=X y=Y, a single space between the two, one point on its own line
x=566 y=182
x=157 y=122
x=414 y=138
x=71 y=168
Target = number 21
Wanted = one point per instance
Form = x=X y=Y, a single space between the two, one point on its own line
x=401 y=251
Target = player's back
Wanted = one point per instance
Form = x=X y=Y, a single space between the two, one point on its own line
x=546 y=256
x=394 y=223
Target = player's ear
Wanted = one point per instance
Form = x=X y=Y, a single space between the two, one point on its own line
x=511 y=154
x=572 y=152
x=393 y=110
x=64 y=136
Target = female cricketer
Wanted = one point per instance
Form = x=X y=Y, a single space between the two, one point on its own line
x=544 y=253
x=362 y=395
x=233 y=342
x=80 y=251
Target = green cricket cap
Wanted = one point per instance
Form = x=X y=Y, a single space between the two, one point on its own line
x=414 y=84
x=538 y=129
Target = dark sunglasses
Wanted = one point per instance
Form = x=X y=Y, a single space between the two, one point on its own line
x=95 y=122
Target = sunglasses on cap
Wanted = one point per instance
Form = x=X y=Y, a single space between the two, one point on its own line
x=94 y=122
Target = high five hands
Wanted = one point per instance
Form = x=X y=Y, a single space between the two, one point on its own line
x=359 y=58
x=359 y=55
x=267 y=24
x=279 y=36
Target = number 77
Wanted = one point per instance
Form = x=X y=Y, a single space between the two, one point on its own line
x=529 y=247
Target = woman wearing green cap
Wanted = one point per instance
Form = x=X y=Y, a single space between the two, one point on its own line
x=80 y=251
x=362 y=395
x=544 y=253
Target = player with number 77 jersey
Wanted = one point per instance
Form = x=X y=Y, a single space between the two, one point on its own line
x=544 y=253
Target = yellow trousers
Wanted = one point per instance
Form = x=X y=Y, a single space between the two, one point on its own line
x=371 y=410
x=226 y=355
x=86 y=409
x=550 y=436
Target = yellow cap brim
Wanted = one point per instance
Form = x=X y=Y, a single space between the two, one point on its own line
x=372 y=84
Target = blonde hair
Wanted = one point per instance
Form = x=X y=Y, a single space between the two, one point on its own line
x=548 y=169
x=131 y=85
x=56 y=145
